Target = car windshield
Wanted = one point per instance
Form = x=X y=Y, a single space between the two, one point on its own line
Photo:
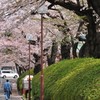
x=6 y=72
x=6 y=68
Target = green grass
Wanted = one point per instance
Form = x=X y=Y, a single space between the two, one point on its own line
x=77 y=79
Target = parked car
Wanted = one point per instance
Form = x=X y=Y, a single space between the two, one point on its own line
x=8 y=74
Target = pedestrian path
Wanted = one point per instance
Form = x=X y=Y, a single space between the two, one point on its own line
x=2 y=97
x=14 y=96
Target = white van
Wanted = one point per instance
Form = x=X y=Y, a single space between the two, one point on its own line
x=8 y=74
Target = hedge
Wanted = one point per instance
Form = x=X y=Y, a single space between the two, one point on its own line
x=77 y=79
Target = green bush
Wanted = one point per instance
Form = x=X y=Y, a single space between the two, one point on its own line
x=77 y=79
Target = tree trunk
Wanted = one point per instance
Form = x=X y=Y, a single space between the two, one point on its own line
x=95 y=5
x=37 y=67
x=89 y=46
x=97 y=46
x=74 y=49
x=65 y=48
x=51 y=59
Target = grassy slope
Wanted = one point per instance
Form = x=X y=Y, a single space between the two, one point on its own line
x=77 y=79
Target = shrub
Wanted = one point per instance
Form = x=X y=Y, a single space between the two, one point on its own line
x=77 y=79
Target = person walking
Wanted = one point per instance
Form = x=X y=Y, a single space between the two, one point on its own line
x=7 y=89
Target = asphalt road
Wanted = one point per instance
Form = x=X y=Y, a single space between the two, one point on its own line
x=15 y=95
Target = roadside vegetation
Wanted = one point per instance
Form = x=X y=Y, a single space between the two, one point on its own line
x=77 y=79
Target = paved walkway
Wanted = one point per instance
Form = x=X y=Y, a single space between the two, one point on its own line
x=14 y=96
